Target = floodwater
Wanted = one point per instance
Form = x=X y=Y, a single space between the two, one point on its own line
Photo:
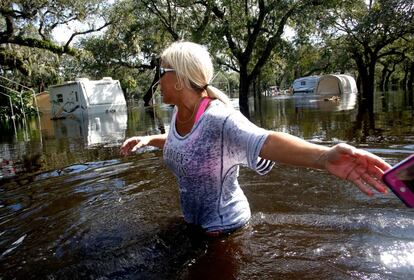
x=72 y=208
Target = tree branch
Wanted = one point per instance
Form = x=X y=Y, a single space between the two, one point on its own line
x=256 y=30
x=230 y=66
x=226 y=28
x=166 y=22
x=42 y=44
x=274 y=40
x=85 y=32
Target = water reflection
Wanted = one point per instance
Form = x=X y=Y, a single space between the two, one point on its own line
x=323 y=103
x=93 y=129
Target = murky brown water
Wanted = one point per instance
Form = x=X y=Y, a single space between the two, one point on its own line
x=76 y=210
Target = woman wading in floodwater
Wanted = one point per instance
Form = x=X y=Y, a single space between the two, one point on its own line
x=208 y=140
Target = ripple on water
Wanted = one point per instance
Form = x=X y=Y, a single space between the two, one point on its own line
x=14 y=245
x=77 y=169
x=391 y=223
x=370 y=245
x=398 y=256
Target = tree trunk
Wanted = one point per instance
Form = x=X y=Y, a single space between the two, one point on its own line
x=410 y=83
x=255 y=94
x=383 y=78
x=244 y=92
x=368 y=91
x=148 y=95
x=359 y=84
x=367 y=74
x=387 y=80
x=404 y=80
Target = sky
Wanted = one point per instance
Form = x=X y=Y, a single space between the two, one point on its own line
x=62 y=33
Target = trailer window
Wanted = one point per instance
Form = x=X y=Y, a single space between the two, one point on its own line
x=59 y=98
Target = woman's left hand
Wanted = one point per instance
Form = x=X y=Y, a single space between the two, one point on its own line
x=362 y=168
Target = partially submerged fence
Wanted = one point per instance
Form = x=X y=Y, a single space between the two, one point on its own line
x=16 y=93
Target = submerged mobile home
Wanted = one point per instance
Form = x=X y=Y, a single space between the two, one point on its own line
x=86 y=96
x=305 y=85
x=336 y=85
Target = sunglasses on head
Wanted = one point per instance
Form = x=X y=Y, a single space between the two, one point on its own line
x=165 y=70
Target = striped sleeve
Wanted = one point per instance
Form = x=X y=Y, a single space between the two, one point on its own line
x=263 y=166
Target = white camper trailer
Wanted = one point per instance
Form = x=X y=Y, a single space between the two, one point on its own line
x=86 y=96
x=340 y=88
x=305 y=85
x=336 y=85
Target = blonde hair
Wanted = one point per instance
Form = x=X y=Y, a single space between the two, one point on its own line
x=193 y=67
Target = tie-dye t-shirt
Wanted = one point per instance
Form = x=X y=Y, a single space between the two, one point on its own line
x=206 y=163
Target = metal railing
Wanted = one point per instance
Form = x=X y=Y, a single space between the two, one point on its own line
x=11 y=86
x=12 y=112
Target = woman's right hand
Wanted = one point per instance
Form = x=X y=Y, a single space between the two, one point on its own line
x=134 y=143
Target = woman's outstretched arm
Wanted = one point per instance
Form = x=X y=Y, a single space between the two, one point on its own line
x=362 y=168
x=134 y=143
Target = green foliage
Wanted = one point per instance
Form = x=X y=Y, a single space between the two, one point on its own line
x=31 y=23
x=244 y=37
x=28 y=54
x=371 y=32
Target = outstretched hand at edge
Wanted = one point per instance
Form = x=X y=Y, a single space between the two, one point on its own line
x=362 y=168
x=134 y=143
